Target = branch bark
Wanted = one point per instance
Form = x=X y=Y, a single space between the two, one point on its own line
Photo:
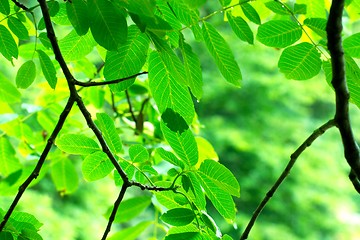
x=351 y=149
x=317 y=133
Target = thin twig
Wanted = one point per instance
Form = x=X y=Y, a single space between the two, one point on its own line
x=36 y=171
x=113 y=212
x=90 y=84
x=317 y=133
x=20 y=5
x=334 y=29
x=130 y=106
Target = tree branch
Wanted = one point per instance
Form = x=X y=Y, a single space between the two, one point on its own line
x=91 y=84
x=334 y=29
x=36 y=171
x=130 y=106
x=20 y=5
x=317 y=133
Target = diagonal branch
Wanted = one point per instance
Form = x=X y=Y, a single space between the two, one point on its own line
x=36 y=171
x=90 y=84
x=317 y=133
x=351 y=149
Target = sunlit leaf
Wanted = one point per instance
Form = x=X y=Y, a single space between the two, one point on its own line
x=178 y=216
x=192 y=69
x=277 y=7
x=251 y=13
x=167 y=91
x=222 y=54
x=300 y=62
x=108 y=24
x=74 y=47
x=279 y=33
x=76 y=144
x=221 y=176
x=96 y=166
x=127 y=60
x=8 y=47
x=8 y=161
x=131 y=208
x=109 y=132
x=18 y=28
x=220 y=199
x=131 y=233
x=170 y=157
x=138 y=153
x=4 y=7
x=240 y=28
x=352 y=45
x=183 y=144
x=314 y=9
x=26 y=74
x=77 y=11
x=47 y=68
x=64 y=176
x=8 y=92
x=318 y=25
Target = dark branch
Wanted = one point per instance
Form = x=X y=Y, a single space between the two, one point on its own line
x=20 y=5
x=317 y=133
x=130 y=106
x=36 y=171
x=113 y=212
x=334 y=29
x=90 y=84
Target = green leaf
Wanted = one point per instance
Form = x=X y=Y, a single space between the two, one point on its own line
x=240 y=28
x=64 y=176
x=221 y=199
x=109 y=132
x=222 y=54
x=138 y=153
x=77 y=144
x=45 y=40
x=47 y=68
x=96 y=166
x=197 y=196
x=299 y=8
x=178 y=216
x=4 y=7
x=352 y=78
x=23 y=217
x=77 y=11
x=6 y=235
x=26 y=74
x=174 y=121
x=54 y=7
x=131 y=233
x=166 y=90
x=195 y=3
x=183 y=144
x=74 y=47
x=192 y=69
x=131 y=208
x=108 y=24
x=206 y=150
x=18 y=28
x=61 y=17
x=318 y=25
x=170 y=157
x=279 y=33
x=314 y=9
x=225 y=3
x=352 y=45
x=8 y=161
x=300 y=62
x=142 y=7
x=251 y=13
x=277 y=7
x=221 y=176
x=127 y=60
x=8 y=92
x=185 y=235
x=8 y=47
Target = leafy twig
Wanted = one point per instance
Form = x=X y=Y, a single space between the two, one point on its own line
x=351 y=149
x=20 y=5
x=317 y=133
x=40 y=163
x=90 y=84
